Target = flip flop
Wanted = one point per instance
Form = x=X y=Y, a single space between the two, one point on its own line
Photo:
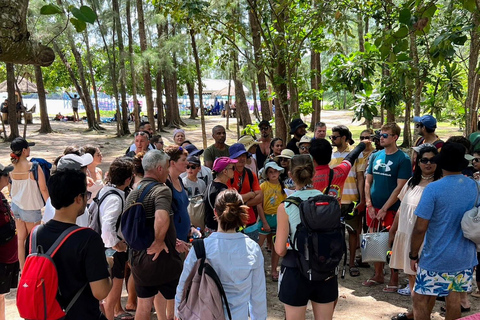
x=371 y=283
x=390 y=289
x=124 y=316
x=354 y=272
x=401 y=316
x=462 y=309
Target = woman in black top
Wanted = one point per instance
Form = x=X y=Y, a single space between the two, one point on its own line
x=223 y=169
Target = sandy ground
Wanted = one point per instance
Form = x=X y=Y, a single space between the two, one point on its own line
x=355 y=301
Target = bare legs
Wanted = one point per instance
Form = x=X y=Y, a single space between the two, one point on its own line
x=164 y=308
x=23 y=230
x=321 y=311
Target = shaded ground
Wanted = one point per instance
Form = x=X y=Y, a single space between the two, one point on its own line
x=355 y=301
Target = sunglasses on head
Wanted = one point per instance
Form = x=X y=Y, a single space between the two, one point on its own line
x=192 y=166
x=141 y=133
x=365 y=138
x=427 y=160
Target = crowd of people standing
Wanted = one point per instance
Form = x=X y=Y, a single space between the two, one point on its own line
x=418 y=197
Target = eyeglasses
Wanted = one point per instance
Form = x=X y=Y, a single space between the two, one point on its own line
x=193 y=166
x=427 y=160
x=385 y=135
x=87 y=194
x=365 y=138
x=334 y=137
x=264 y=128
x=304 y=148
x=476 y=160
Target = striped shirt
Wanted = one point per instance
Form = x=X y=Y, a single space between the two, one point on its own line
x=350 y=191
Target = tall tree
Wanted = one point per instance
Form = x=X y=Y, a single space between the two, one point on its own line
x=42 y=99
x=132 y=67
x=12 y=114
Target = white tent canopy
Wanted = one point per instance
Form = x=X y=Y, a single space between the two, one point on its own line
x=218 y=87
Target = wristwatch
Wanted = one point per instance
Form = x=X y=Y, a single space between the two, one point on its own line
x=412 y=257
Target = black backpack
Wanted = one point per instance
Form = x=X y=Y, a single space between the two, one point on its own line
x=94 y=220
x=319 y=240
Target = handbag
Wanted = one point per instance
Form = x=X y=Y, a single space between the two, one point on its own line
x=471 y=221
x=374 y=246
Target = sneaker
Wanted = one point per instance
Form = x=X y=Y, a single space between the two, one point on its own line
x=404 y=292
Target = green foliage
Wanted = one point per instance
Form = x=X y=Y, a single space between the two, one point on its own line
x=366 y=106
x=81 y=16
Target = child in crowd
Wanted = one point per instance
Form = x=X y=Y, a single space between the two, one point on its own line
x=193 y=185
x=273 y=195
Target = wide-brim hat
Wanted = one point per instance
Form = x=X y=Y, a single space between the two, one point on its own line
x=286 y=153
x=295 y=124
x=273 y=165
x=452 y=157
x=192 y=150
x=304 y=139
x=248 y=141
x=236 y=150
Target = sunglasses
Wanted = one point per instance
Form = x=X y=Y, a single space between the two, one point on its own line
x=192 y=167
x=87 y=194
x=141 y=133
x=476 y=160
x=334 y=137
x=427 y=160
x=304 y=148
x=385 y=135
x=284 y=159
x=264 y=128
x=365 y=138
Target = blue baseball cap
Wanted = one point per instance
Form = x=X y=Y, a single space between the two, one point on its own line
x=427 y=120
x=236 y=150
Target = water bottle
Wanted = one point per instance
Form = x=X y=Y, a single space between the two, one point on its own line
x=197 y=235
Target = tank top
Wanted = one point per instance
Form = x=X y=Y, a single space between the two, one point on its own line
x=26 y=194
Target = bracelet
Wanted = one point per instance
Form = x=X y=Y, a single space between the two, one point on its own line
x=412 y=257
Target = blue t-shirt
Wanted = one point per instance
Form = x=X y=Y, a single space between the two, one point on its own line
x=180 y=214
x=386 y=169
x=443 y=204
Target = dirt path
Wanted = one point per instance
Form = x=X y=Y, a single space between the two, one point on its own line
x=355 y=301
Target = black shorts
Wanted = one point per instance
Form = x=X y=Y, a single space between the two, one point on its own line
x=8 y=276
x=168 y=290
x=119 y=261
x=296 y=290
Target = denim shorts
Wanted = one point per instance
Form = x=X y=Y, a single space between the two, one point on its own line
x=26 y=215
x=440 y=284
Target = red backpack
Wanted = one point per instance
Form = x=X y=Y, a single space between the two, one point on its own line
x=38 y=287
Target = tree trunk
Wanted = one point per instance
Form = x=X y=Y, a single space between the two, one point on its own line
x=227 y=106
x=92 y=75
x=315 y=78
x=159 y=88
x=200 y=87
x=12 y=114
x=122 y=73
x=44 y=121
x=147 y=80
x=240 y=99
x=282 y=117
x=407 y=132
x=255 y=105
x=15 y=45
x=473 y=78
x=416 y=69
x=132 y=68
x=261 y=78
x=191 y=97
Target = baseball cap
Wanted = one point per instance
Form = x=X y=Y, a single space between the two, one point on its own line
x=264 y=123
x=427 y=120
x=72 y=161
x=193 y=159
x=5 y=170
x=18 y=144
x=221 y=163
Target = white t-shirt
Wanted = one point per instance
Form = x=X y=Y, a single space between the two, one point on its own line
x=82 y=221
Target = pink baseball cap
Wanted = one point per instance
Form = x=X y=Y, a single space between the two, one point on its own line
x=221 y=163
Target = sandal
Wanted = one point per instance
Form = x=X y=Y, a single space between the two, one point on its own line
x=371 y=283
x=124 y=316
x=462 y=309
x=401 y=316
x=354 y=272
x=390 y=289
x=476 y=294
x=275 y=277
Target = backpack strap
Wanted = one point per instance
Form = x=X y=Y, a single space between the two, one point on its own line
x=33 y=238
x=330 y=179
x=250 y=178
x=99 y=202
x=34 y=171
x=61 y=239
x=292 y=200
x=199 y=247
x=146 y=190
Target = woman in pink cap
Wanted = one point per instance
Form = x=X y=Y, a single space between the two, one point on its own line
x=223 y=169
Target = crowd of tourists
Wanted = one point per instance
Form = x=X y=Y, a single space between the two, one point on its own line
x=245 y=200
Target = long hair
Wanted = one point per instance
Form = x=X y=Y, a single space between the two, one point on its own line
x=417 y=174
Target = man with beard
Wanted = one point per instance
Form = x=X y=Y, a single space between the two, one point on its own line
x=263 y=150
x=218 y=149
x=298 y=128
x=425 y=127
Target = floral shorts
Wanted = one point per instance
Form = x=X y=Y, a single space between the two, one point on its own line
x=432 y=283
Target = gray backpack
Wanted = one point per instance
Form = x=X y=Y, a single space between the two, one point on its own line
x=94 y=211
x=203 y=295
